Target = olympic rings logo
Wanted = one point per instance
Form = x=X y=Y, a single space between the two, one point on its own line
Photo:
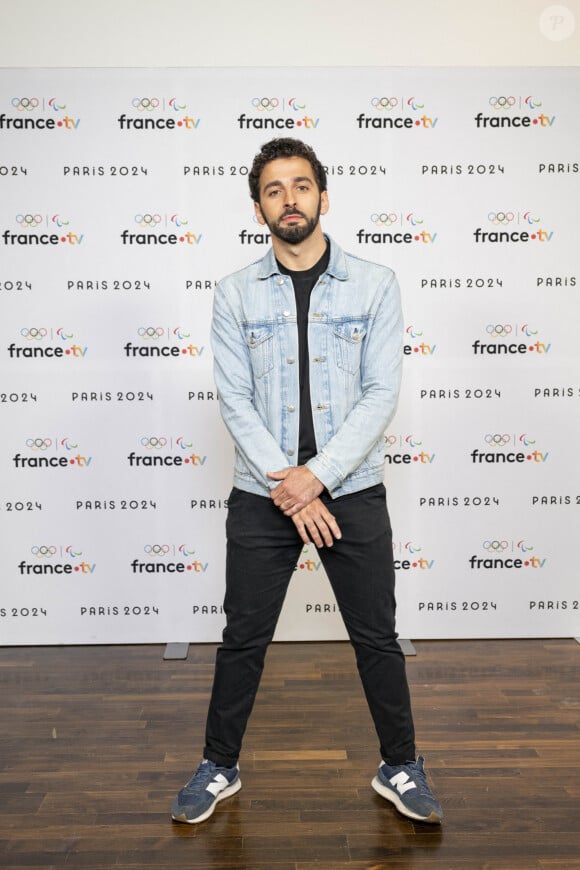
x=25 y=104
x=265 y=103
x=501 y=217
x=38 y=443
x=145 y=104
x=150 y=331
x=153 y=443
x=382 y=103
x=147 y=220
x=498 y=329
x=495 y=546
x=43 y=551
x=497 y=440
x=384 y=219
x=156 y=549
x=502 y=102
x=34 y=333
x=391 y=440
x=29 y=220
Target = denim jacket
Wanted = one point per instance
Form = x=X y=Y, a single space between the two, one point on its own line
x=355 y=335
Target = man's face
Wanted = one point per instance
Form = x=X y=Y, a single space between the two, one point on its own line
x=290 y=202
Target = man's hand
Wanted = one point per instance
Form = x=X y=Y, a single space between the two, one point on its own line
x=297 y=489
x=316 y=524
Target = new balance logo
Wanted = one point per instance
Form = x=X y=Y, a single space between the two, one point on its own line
x=217 y=785
x=402 y=782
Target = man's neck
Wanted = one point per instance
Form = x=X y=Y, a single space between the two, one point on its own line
x=298 y=258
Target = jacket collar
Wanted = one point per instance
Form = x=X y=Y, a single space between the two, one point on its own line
x=336 y=266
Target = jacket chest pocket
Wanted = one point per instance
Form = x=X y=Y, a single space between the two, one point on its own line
x=260 y=342
x=348 y=343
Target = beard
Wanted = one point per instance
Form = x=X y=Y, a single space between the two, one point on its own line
x=293 y=234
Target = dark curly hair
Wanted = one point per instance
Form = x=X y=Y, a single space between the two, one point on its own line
x=276 y=148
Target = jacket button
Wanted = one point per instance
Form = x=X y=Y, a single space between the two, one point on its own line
x=286 y=314
x=291 y=408
x=290 y=452
x=290 y=360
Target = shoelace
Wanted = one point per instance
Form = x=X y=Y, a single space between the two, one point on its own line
x=200 y=780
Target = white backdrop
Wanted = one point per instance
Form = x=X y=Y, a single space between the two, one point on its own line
x=124 y=199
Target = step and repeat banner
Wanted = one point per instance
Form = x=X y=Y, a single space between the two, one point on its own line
x=124 y=199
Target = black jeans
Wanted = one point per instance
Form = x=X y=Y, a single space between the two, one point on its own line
x=263 y=547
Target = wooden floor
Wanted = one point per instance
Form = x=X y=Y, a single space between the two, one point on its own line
x=95 y=741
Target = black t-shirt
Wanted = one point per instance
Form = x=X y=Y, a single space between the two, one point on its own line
x=303 y=282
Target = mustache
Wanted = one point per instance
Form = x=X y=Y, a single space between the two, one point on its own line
x=293 y=212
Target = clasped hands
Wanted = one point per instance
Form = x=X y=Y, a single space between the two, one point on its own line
x=297 y=497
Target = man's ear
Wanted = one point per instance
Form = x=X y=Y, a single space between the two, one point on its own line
x=324 y=203
x=258 y=213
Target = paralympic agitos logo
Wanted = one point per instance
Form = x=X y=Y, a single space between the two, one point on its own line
x=158 y=113
x=39 y=113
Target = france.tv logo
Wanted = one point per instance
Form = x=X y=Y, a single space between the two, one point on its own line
x=503 y=553
x=56 y=559
x=514 y=111
x=168 y=559
x=505 y=447
x=46 y=452
x=397 y=113
x=162 y=451
x=40 y=342
x=38 y=113
x=56 y=230
x=161 y=341
x=158 y=113
x=266 y=115
x=513 y=226
x=154 y=228
x=394 y=227
x=511 y=339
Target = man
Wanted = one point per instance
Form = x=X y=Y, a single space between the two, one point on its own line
x=308 y=346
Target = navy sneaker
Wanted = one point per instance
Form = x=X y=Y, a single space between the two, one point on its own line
x=405 y=785
x=209 y=784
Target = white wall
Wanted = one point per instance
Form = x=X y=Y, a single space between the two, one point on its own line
x=190 y=33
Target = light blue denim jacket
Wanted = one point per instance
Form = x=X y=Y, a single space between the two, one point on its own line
x=355 y=333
